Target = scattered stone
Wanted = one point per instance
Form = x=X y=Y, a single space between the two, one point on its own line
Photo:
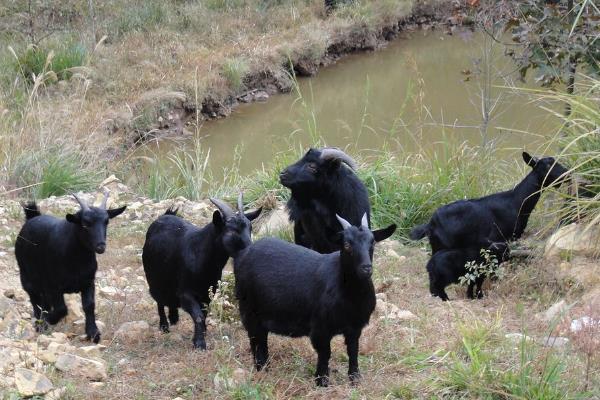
x=111 y=293
x=14 y=327
x=554 y=341
x=6 y=304
x=222 y=382
x=31 y=383
x=391 y=253
x=10 y=293
x=239 y=376
x=556 y=310
x=97 y=385
x=79 y=366
x=133 y=330
x=582 y=323
x=390 y=311
x=93 y=351
x=56 y=394
x=518 y=337
x=73 y=302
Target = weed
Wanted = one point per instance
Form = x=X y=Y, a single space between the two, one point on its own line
x=234 y=70
x=37 y=60
x=488 y=268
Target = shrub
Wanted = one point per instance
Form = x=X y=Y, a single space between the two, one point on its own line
x=234 y=70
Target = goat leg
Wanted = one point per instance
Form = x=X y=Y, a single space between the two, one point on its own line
x=351 y=339
x=59 y=308
x=88 y=304
x=163 y=324
x=192 y=307
x=322 y=345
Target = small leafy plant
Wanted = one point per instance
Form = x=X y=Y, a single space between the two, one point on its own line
x=488 y=268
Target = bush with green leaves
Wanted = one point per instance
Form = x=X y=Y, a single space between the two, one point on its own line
x=487 y=269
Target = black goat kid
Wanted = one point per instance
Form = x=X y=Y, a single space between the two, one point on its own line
x=182 y=262
x=293 y=291
x=322 y=186
x=447 y=266
x=58 y=256
x=498 y=217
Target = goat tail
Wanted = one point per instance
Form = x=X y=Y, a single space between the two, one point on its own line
x=172 y=211
x=419 y=232
x=31 y=210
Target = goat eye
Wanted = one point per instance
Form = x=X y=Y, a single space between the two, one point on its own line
x=312 y=167
x=347 y=247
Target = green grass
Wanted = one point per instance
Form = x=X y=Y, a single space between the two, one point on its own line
x=234 y=70
x=53 y=173
x=486 y=366
x=144 y=16
x=36 y=60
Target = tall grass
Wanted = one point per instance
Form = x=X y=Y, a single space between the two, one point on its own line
x=486 y=366
x=62 y=60
x=579 y=146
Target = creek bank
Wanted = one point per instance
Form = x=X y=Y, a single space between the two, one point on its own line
x=161 y=113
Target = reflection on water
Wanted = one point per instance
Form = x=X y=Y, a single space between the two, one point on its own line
x=422 y=89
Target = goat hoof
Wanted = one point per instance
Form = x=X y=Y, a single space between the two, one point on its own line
x=94 y=337
x=355 y=377
x=164 y=328
x=199 y=345
x=322 y=381
x=173 y=318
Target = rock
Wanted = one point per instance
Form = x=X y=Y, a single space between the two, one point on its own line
x=555 y=311
x=277 y=220
x=97 y=385
x=93 y=351
x=109 y=180
x=133 y=330
x=73 y=302
x=79 y=366
x=573 y=240
x=111 y=293
x=6 y=304
x=31 y=383
x=381 y=296
x=518 y=337
x=56 y=394
x=12 y=326
x=554 y=341
x=222 y=382
x=390 y=311
x=239 y=376
x=101 y=326
x=391 y=253
x=10 y=293
x=584 y=322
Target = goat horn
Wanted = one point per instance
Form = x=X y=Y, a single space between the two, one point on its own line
x=365 y=221
x=223 y=207
x=240 y=203
x=82 y=203
x=335 y=153
x=345 y=224
x=105 y=199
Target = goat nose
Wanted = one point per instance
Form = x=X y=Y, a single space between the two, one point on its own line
x=367 y=269
x=100 y=248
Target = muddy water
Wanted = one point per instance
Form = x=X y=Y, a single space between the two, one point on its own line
x=423 y=89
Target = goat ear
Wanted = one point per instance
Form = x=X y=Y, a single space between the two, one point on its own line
x=113 y=212
x=529 y=160
x=332 y=164
x=384 y=233
x=74 y=218
x=218 y=219
x=253 y=214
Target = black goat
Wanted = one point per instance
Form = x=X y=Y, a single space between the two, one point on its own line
x=182 y=262
x=498 y=217
x=321 y=188
x=57 y=257
x=293 y=291
x=447 y=266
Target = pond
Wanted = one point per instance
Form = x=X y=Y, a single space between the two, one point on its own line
x=422 y=89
